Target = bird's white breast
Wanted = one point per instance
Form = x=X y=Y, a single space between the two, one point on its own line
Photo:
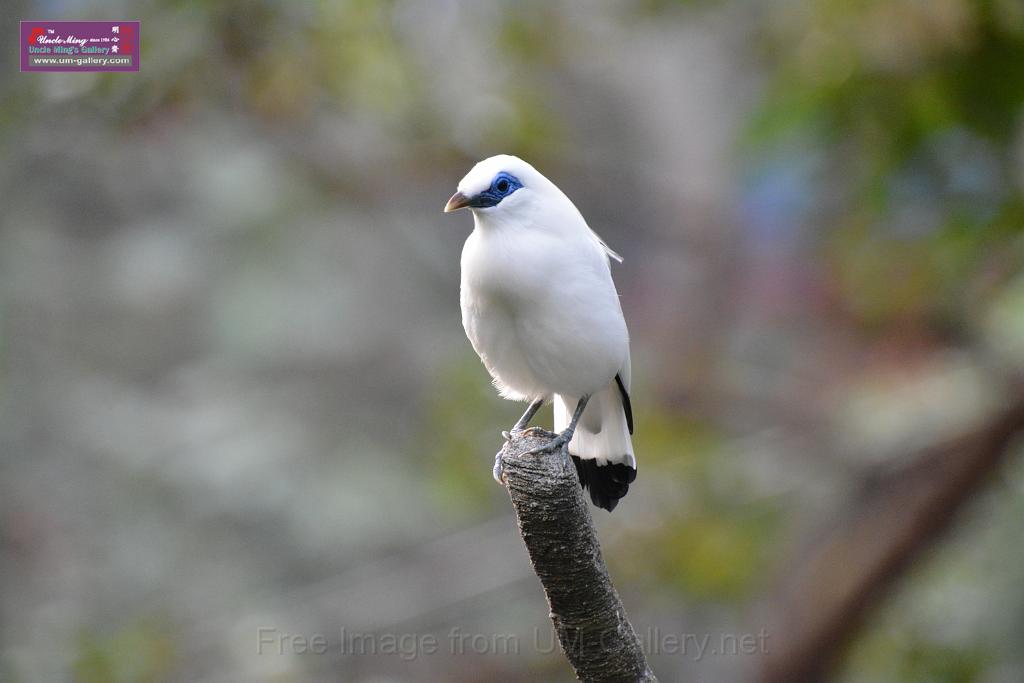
x=540 y=309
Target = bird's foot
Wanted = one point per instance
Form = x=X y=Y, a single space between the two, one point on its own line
x=514 y=433
x=561 y=441
x=540 y=431
x=558 y=441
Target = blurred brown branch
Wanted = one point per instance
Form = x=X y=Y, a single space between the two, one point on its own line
x=897 y=517
x=556 y=526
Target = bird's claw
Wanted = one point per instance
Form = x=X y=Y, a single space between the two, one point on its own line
x=514 y=433
x=558 y=441
x=499 y=470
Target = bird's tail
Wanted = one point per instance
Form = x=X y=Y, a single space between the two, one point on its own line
x=601 y=447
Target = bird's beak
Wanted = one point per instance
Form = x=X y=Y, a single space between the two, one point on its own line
x=458 y=201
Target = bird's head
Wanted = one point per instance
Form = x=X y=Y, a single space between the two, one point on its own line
x=499 y=183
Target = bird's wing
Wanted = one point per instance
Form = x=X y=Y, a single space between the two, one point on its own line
x=627 y=406
x=624 y=380
x=608 y=250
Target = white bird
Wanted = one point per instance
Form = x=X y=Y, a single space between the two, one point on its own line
x=541 y=310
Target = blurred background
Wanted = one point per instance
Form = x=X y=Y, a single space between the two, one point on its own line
x=236 y=397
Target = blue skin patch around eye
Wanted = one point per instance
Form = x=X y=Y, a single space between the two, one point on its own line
x=502 y=186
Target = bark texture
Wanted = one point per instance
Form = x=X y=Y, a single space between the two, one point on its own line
x=555 y=522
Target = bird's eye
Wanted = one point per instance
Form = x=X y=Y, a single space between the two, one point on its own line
x=502 y=186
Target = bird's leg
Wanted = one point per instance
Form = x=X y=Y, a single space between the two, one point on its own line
x=519 y=426
x=562 y=440
x=516 y=430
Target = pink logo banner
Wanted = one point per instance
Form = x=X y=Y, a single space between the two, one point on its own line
x=80 y=45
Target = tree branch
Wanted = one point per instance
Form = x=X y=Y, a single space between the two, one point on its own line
x=828 y=590
x=555 y=522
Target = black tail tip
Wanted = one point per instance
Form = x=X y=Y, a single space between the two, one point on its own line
x=607 y=483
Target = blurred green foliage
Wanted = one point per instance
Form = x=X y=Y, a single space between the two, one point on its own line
x=916 y=105
x=895 y=655
x=1005 y=322
x=912 y=111
x=465 y=420
x=714 y=537
x=144 y=652
x=347 y=55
